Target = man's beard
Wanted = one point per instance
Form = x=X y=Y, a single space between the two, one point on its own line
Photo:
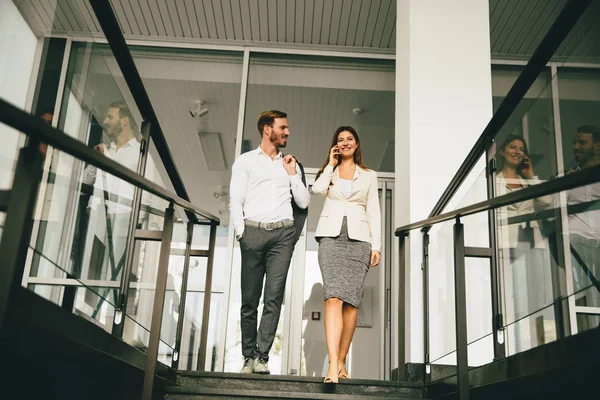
x=274 y=139
x=583 y=156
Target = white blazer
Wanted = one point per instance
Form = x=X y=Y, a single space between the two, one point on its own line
x=361 y=208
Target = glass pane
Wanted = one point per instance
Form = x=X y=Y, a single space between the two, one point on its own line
x=334 y=92
x=8 y=155
x=525 y=146
x=580 y=126
x=442 y=325
x=142 y=289
x=479 y=311
x=196 y=95
x=190 y=340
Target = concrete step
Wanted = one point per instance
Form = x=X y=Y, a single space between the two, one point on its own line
x=209 y=385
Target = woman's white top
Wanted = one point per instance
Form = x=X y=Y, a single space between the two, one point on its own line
x=346 y=187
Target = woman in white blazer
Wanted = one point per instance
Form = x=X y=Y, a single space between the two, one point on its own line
x=349 y=236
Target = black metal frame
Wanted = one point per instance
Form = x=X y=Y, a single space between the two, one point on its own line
x=460 y=301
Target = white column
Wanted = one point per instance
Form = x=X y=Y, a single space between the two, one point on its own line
x=443 y=103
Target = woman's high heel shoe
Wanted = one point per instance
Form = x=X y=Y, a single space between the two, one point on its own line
x=342 y=373
x=331 y=379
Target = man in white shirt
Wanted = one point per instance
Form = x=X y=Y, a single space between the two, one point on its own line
x=584 y=216
x=264 y=183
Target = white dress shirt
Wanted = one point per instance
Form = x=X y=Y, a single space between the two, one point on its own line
x=260 y=190
x=127 y=155
x=587 y=223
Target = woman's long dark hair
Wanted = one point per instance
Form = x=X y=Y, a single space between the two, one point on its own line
x=357 y=153
x=500 y=157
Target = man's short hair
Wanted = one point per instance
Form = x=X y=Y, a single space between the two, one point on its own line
x=268 y=118
x=123 y=110
x=592 y=130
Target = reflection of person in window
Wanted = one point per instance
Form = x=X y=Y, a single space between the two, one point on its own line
x=314 y=333
x=112 y=198
x=584 y=214
x=522 y=248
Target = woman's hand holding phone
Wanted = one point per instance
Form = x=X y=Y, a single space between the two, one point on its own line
x=334 y=156
x=527 y=168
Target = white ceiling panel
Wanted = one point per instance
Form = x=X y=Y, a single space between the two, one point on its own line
x=345 y=23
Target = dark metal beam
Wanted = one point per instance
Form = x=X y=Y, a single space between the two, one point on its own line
x=554 y=37
x=183 y=296
x=402 y=307
x=426 y=345
x=159 y=303
x=4 y=199
x=155 y=236
x=478 y=252
x=112 y=30
x=18 y=225
x=36 y=128
x=460 y=301
x=571 y=181
x=207 y=298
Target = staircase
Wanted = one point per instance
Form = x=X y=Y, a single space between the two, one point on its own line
x=214 y=385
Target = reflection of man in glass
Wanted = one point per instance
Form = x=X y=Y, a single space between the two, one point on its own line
x=584 y=215
x=110 y=206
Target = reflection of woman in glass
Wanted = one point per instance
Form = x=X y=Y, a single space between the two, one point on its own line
x=349 y=234
x=522 y=247
x=314 y=338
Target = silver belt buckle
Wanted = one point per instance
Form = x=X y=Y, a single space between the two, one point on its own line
x=269 y=226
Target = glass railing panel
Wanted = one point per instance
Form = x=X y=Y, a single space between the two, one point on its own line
x=89 y=298
x=8 y=155
x=525 y=146
x=200 y=126
x=442 y=332
x=133 y=329
x=82 y=219
x=479 y=311
x=142 y=290
x=528 y=265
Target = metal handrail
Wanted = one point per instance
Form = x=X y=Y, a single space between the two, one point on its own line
x=571 y=181
x=538 y=61
x=37 y=129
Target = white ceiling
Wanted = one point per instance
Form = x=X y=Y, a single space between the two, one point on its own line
x=516 y=26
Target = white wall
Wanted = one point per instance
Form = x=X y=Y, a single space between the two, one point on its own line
x=17 y=47
x=443 y=103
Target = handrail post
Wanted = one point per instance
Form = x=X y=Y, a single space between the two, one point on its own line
x=183 y=296
x=460 y=303
x=159 y=301
x=207 y=298
x=402 y=306
x=121 y=306
x=495 y=281
x=426 y=343
x=19 y=223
